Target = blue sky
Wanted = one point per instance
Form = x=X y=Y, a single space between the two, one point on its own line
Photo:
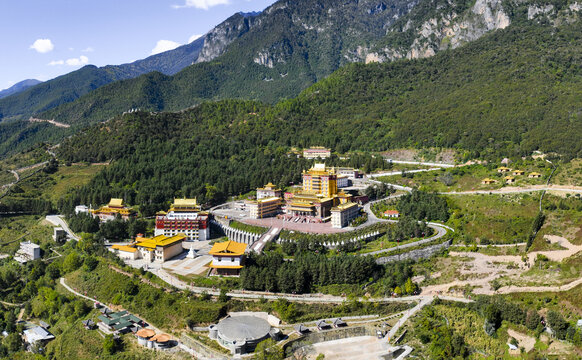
x=43 y=39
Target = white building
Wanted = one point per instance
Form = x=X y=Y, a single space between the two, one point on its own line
x=342 y=214
x=157 y=249
x=81 y=209
x=316 y=152
x=348 y=171
x=265 y=207
x=28 y=252
x=268 y=191
x=37 y=334
x=184 y=217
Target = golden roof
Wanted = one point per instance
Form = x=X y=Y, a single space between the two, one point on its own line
x=160 y=240
x=116 y=202
x=185 y=202
x=535 y=174
x=344 y=206
x=125 y=248
x=108 y=209
x=269 y=186
x=489 y=180
x=269 y=199
x=509 y=178
x=228 y=248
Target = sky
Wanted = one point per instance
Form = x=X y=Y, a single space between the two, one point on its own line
x=42 y=39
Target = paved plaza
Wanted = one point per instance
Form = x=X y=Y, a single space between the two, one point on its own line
x=354 y=348
x=318 y=228
x=181 y=264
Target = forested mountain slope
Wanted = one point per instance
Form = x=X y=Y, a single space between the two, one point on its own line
x=19 y=87
x=294 y=44
x=509 y=93
x=71 y=86
x=287 y=47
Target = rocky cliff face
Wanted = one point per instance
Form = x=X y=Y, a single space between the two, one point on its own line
x=217 y=40
x=450 y=28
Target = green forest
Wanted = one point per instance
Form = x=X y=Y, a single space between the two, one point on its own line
x=472 y=100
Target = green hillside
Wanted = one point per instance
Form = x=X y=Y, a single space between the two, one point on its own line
x=290 y=46
x=507 y=94
x=71 y=86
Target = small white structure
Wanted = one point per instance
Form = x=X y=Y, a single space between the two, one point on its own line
x=37 y=334
x=391 y=214
x=316 y=152
x=81 y=209
x=28 y=252
x=191 y=253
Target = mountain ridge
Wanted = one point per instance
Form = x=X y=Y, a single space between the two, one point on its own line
x=19 y=87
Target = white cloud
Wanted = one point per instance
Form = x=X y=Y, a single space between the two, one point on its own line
x=194 y=37
x=201 y=4
x=43 y=46
x=82 y=60
x=164 y=45
x=88 y=49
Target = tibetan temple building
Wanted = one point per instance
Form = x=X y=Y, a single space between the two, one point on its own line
x=318 y=195
x=115 y=208
x=227 y=257
x=184 y=217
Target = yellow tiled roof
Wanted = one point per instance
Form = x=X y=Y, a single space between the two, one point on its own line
x=125 y=248
x=344 y=206
x=228 y=248
x=185 y=202
x=116 y=202
x=160 y=240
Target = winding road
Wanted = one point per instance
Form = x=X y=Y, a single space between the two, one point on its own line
x=58 y=220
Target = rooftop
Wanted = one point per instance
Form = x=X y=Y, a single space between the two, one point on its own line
x=160 y=240
x=243 y=328
x=145 y=333
x=37 y=333
x=344 y=206
x=116 y=202
x=228 y=248
x=125 y=248
x=185 y=202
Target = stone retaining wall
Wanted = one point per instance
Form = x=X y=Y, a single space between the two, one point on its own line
x=202 y=349
x=328 y=335
x=416 y=254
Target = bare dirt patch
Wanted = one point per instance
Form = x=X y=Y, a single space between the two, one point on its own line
x=525 y=341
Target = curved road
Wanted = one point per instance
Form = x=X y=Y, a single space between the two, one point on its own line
x=441 y=230
x=58 y=220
